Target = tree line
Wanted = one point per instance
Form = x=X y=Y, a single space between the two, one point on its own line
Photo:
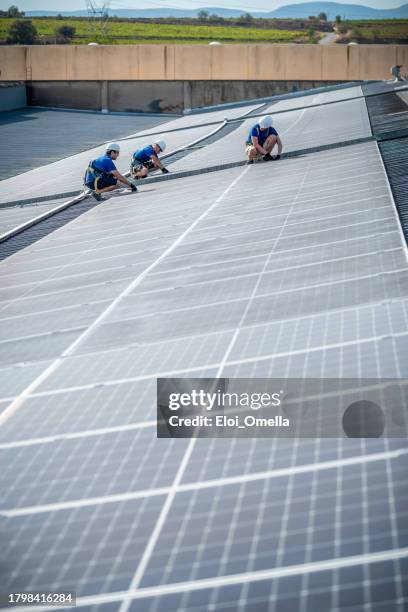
x=24 y=32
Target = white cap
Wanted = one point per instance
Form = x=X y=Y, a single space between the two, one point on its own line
x=112 y=146
x=161 y=144
x=266 y=121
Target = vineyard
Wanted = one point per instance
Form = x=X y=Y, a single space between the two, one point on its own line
x=144 y=33
x=380 y=32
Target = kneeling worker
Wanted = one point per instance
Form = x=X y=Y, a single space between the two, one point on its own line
x=146 y=159
x=261 y=140
x=102 y=175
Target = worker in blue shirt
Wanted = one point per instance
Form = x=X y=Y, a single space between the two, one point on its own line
x=102 y=175
x=262 y=138
x=146 y=159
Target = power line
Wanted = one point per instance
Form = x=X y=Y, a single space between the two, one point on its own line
x=98 y=16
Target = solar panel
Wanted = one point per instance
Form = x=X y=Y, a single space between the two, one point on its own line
x=14 y=216
x=294 y=269
x=298 y=129
x=325 y=590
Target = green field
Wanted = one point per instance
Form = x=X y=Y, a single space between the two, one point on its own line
x=385 y=31
x=142 y=33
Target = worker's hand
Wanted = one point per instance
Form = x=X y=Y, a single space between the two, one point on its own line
x=133 y=187
x=165 y=171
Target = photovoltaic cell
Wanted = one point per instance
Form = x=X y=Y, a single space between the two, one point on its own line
x=83 y=410
x=281 y=522
x=326 y=590
x=88 y=550
x=87 y=467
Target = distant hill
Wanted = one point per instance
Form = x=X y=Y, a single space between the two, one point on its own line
x=295 y=11
x=346 y=11
x=143 y=13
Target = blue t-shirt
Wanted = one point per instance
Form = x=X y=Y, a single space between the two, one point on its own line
x=104 y=164
x=262 y=135
x=143 y=155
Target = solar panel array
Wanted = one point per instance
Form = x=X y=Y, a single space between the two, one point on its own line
x=300 y=129
x=289 y=269
x=67 y=174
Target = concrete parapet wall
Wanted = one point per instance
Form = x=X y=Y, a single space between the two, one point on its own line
x=13 y=63
x=155 y=96
x=199 y=62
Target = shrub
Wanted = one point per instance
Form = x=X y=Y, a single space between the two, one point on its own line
x=66 y=32
x=22 y=32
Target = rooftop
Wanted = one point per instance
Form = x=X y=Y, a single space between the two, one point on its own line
x=50 y=135
x=291 y=269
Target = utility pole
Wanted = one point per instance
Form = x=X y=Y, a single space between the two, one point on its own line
x=98 y=16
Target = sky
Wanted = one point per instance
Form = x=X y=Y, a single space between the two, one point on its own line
x=250 y=5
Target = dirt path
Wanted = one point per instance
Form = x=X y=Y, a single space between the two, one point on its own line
x=328 y=39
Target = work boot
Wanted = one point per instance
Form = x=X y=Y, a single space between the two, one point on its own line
x=250 y=161
x=98 y=196
x=267 y=157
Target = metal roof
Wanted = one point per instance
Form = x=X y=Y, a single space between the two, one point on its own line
x=49 y=135
x=292 y=269
x=67 y=174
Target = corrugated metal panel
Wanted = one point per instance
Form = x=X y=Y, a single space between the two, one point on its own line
x=395 y=156
x=388 y=114
x=389 y=123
